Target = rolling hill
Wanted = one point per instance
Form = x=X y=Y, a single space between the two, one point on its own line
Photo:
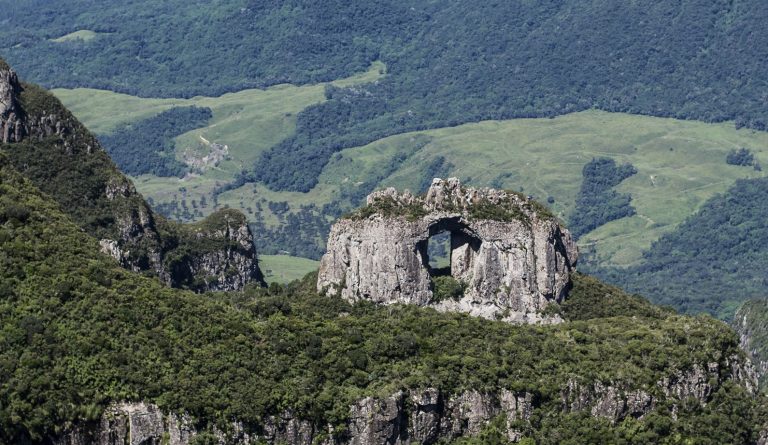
x=291 y=156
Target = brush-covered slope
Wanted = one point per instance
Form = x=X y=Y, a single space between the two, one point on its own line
x=713 y=261
x=45 y=142
x=79 y=333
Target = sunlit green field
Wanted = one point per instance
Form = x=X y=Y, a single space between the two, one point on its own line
x=680 y=163
x=283 y=268
x=248 y=122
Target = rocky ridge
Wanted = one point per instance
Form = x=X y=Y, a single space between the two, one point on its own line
x=47 y=144
x=425 y=416
x=512 y=257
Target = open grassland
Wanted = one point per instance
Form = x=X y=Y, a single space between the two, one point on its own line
x=247 y=122
x=680 y=163
x=284 y=269
x=83 y=35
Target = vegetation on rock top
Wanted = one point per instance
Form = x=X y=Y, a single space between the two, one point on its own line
x=506 y=210
x=389 y=207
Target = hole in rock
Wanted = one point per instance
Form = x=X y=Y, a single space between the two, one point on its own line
x=439 y=253
x=449 y=250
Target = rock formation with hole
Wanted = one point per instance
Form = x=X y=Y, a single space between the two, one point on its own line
x=509 y=254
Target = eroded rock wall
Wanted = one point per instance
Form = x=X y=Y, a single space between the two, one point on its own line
x=513 y=259
x=421 y=416
x=222 y=258
x=11 y=127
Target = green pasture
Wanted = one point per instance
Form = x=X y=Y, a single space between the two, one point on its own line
x=284 y=269
x=680 y=163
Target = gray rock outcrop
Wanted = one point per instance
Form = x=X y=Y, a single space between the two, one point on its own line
x=11 y=127
x=420 y=416
x=615 y=401
x=748 y=323
x=512 y=257
x=223 y=258
x=50 y=147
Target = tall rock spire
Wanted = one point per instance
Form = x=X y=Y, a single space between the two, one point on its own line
x=11 y=125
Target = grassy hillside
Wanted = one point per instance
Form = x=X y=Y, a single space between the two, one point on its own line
x=691 y=59
x=79 y=332
x=284 y=268
x=680 y=164
x=713 y=261
x=247 y=122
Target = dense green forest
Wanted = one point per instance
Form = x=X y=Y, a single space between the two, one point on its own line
x=597 y=202
x=713 y=261
x=743 y=157
x=447 y=62
x=147 y=146
x=78 y=331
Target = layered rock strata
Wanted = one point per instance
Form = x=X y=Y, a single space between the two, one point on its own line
x=11 y=127
x=510 y=254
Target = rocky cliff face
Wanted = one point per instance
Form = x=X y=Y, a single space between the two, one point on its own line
x=512 y=257
x=425 y=416
x=750 y=323
x=11 y=128
x=48 y=145
x=216 y=254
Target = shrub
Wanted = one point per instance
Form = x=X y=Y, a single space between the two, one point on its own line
x=447 y=287
x=742 y=157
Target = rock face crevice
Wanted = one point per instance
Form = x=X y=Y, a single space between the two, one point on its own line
x=47 y=144
x=513 y=258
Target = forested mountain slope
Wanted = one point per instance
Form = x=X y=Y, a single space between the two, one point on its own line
x=448 y=62
x=79 y=332
x=711 y=263
x=43 y=140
